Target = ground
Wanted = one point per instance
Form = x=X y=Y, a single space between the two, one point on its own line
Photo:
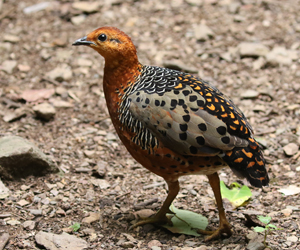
x=81 y=137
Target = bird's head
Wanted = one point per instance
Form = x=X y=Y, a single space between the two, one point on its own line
x=114 y=45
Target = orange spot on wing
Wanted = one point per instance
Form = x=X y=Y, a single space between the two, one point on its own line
x=197 y=88
x=211 y=107
x=251 y=139
x=231 y=115
x=208 y=94
x=261 y=163
x=216 y=100
x=179 y=86
x=236 y=122
x=229 y=153
x=248 y=154
x=253 y=147
x=239 y=160
x=233 y=128
x=224 y=115
x=251 y=164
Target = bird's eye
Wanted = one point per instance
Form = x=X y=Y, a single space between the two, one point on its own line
x=102 y=37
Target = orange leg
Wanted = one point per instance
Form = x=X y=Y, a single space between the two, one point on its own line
x=224 y=227
x=160 y=217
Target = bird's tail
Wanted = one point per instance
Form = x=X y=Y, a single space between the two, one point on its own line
x=248 y=162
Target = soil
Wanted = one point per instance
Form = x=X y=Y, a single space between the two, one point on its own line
x=82 y=140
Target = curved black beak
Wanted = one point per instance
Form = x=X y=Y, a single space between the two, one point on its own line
x=82 y=41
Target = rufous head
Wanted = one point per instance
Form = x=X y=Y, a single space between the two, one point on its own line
x=114 y=45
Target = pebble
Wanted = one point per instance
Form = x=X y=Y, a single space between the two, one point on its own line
x=77 y=20
x=44 y=111
x=60 y=73
x=153 y=243
x=91 y=218
x=281 y=56
x=247 y=49
x=250 y=94
x=22 y=203
x=195 y=2
x=13 y=222
x=11 y=38
x=12 y=116
x=4 y=191
x=8 y=66
x=255 y=245
x=88 y=7
x=36 y=212
x=29 y=224
x=292 y=238
x=103 y=184
x=202 y=32
x=60 y=103
x=290 y=149
x=24 y=68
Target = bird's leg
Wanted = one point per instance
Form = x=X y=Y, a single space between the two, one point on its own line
x=160 y=217
x=224 y=227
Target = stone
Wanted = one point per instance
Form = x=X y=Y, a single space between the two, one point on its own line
x=195 y=2
x=77 y=20
x=60 y=103
x=154 y=243
x=13 y=222
x=255 y=245
x=24 y=68
x=250 y=94
x=36 y=212
x=281 y=56
x=12 y=116
x=103 y=184
x=60 y=73
x=292 y=238
x=84 y=62
x=247 y=49
x=86 y=6
x=33 y=95
x=4 y=191
x=29 y=224
x=44 y=111
x=20 y=158
x=3 y=240
x=202 y=32
x=60 y=241
x=22 y=203
x=290 y=149
x=91 y=218
x=11 y=38
x=8 y=66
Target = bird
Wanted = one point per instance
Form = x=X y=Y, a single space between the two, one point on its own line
x=175 y=124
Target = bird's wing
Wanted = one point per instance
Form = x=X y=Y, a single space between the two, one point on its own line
x=190 y=117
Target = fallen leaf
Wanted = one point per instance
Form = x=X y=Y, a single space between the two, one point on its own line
x=290 y=190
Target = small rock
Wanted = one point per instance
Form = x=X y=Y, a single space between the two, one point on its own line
x=255 y=245
x=92 y=218
x=24 y=187
x=60 y=241
x=36 y=7
x=281 y=56
x=250 y=94
x=103 y=184
x=127 y=244
x=290 y=149
x=287 y=212
x=12 y=116
x=77 y=20
x=154 y=243
x=247 y=49
x=4 y=191
x=195 y=2
x=23 y=68
x=13 y=222
x=60 y=103
x=292 y=238
x=3 y=238
x=44 y=111
x=88 y=7
x=61 y=212
x=60 y=73
x=33 y=95
x=155 y=248
x=20 y=158
x=8 y=66
x=36 y=212
x=203 y=32
x=11 y=38
x=29 y=224
x=144 y=213
x=22 y=203
x=259 y=63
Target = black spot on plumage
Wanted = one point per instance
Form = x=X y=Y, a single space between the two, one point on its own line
x=218 y=163
x=221 y=130
x=162 y=167
x=193 y=150
x=225 y=139
x=202 y=126
x=194 y=109
x=147 y=101
x=184 y=172
x=200 y=103
x=185 y=92
x=184 y=106
x=193 y=98
x=157 y=102
x=180 y=102
x=192 y=170
x=163 y=103
x=169 y=125
x=183 y=127
x=183 y=136
x=173 y=166
x=138 y=99
x=168 y=155
x=144 y=106
x=200 y=140
x=138 y=93
x=190 y=162
x=182 y=163
x=186 y=118
x=176 y=92
x=201 y=166
x=173 y=102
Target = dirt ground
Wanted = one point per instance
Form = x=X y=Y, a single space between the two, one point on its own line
x=81 y=138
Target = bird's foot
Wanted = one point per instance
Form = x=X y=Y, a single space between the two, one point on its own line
x=223 y=229
x=158 y=219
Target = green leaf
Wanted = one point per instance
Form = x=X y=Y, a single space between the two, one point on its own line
x=264 y=219
x=75 y=227
x=259 y=229
x=237 y=196
x=273 y=226
x=186 y=222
